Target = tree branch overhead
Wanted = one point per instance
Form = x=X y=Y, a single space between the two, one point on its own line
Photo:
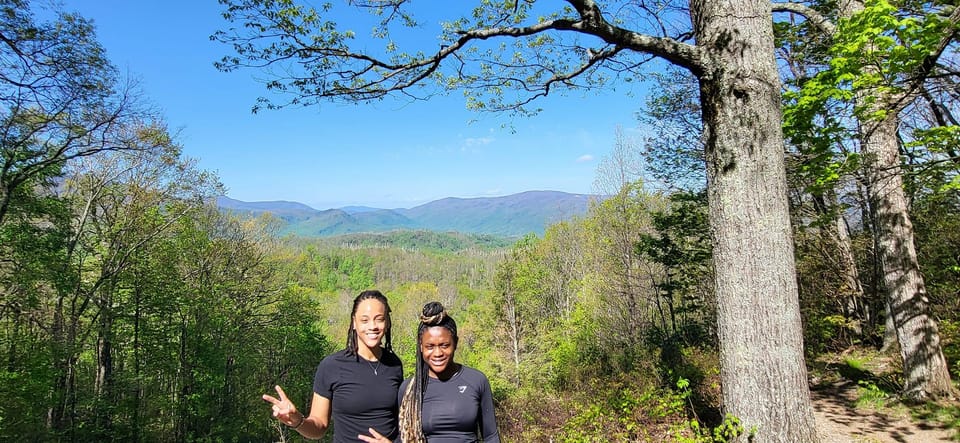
x=293 y=39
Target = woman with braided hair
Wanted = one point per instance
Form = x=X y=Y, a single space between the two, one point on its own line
x=444 y=401
x=354 y=389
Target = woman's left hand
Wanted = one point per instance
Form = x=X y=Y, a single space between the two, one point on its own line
x=377 y=437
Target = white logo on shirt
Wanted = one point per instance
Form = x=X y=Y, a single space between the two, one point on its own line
x=462 y=389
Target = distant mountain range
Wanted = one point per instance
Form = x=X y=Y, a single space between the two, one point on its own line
x=510 y=216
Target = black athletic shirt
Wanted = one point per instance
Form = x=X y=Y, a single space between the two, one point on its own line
x=458 y=410
x=360 y=399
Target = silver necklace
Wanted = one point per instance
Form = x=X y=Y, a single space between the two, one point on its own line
x=375 y=369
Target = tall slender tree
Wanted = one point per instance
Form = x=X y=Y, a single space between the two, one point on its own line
x=880 y=61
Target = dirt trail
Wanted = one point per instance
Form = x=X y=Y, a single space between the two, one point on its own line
x=839 y=421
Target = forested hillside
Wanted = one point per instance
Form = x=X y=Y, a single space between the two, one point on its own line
x=134 y=309
x=507 y=216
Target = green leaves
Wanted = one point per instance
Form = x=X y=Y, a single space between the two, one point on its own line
x=875 y=56
x=875 y=52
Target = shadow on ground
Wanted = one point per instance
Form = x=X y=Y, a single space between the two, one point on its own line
x=836 y=401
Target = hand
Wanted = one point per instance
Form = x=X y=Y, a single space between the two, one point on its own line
x=377 y=437
x=283 y=408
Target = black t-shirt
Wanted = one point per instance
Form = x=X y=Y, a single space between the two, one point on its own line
x=458 y=410
x=359 y=398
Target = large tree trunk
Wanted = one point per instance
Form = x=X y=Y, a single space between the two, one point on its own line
x=763 y=373
x=925 y=369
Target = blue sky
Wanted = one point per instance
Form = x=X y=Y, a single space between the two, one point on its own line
x=390 y=154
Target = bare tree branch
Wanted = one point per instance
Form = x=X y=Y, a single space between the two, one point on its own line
x=812 y=15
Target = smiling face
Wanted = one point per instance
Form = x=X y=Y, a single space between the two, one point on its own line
x=370 y=323
x=437 y=347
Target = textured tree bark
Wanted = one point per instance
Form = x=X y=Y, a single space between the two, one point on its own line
x=763 y=371
x=925 y=368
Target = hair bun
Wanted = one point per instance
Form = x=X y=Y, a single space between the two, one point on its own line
x=433 y=313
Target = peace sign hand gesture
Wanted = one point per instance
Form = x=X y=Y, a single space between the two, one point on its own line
x=283 y=409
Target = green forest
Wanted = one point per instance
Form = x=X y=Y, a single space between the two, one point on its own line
x=132 y=309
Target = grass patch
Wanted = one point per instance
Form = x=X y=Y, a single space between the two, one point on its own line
x=871 y=396
x=946 y=414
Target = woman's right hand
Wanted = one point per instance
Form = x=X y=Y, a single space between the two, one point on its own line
x=377 y=437
x=283 y=408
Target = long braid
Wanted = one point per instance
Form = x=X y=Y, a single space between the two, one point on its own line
x=411 y=426
x=352 y=345
x=411 y=423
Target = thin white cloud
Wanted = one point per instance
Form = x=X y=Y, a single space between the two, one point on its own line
x=475 y=145
x=585 y=158
x=477 y=141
